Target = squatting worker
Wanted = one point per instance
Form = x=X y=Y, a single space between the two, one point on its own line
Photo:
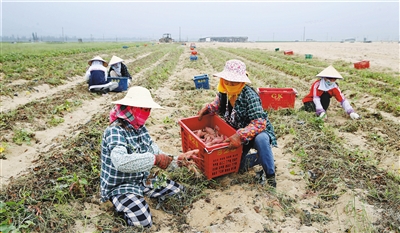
x=321 y=92
x=96 y=76
x=118 y=68
x=240 y=106
x=127 y=156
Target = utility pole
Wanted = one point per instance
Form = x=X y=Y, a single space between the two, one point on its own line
x=304 y=34
x=179 y=34
x=62 y=29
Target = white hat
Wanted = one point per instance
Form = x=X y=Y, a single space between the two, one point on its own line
x=97 y=58
x=115 y=60
x=138 y=96
x=329 y=72
x=234 y=71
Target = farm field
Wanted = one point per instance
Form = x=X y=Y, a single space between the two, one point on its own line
x=340 y=175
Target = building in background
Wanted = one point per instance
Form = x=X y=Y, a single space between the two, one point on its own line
x=224 y=39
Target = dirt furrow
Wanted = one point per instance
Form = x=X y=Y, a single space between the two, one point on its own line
x=19 y=158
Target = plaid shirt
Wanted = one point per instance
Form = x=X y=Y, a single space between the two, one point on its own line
x=247 y=117
x=139 y=142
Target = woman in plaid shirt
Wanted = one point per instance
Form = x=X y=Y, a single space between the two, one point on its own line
x=127 y=156
x=240 y=106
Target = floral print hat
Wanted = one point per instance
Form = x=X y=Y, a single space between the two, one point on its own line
x=234 y=71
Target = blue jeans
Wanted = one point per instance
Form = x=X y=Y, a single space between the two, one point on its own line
x=265 y=158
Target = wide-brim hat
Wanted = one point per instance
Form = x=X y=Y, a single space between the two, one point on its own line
x=115 y=60
x=234 y=71
x=97 y=58
x=329 y=72
x=138 y=96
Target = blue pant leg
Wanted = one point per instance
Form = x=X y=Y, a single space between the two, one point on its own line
x=262 y=144
x=265 y=157
x=248 y=160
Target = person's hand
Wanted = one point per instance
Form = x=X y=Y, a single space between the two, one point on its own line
x=354 y=116
x=203 y=112
x=162 y=161
x=234 y=141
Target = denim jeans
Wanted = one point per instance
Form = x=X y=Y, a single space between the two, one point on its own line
x=265 y=158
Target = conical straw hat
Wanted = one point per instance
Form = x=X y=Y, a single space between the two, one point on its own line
x=330 y=72
x=98 y=58
x=115 y=60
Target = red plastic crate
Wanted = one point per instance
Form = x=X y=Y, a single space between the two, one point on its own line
x=277 y=98
x=361 y=65
x=215 y=160
x=288 y=52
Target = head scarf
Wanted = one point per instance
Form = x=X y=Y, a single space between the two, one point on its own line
x=134 y=115
x=97 y=63
x=117 y=68
x=232 y=91
x=326 y=85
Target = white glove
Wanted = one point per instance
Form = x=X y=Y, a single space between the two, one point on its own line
x=354 y=116
x=322 y=115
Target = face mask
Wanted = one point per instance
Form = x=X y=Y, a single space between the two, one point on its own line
x=141 y=116
x=329 y=83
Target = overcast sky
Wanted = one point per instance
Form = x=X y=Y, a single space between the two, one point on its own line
x=189 y=20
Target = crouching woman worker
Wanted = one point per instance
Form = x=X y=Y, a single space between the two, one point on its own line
x=240 y=106
x=96 y=76
x=118 y=68
x=127 y=156
x=322 y=90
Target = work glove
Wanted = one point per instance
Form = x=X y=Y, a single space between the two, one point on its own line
x=234 y=141
x=354 y=116
x=322 y=115
x=203 y=112
x=162 y=161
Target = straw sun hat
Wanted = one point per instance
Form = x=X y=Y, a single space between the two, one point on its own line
x=97 y=58
x=234 y=71
x=138 y=96
x=329 y=72
x=115 y=60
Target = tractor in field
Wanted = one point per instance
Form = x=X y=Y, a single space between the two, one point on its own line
x=166 y=38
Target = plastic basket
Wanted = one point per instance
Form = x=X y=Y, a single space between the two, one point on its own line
x=193 y=57
x=201 y=81
x=214 y=160
x=122 y=83
x=277 y=98
x=288 y=52
x=276 y=49
x=308 y=56
x=361 y=65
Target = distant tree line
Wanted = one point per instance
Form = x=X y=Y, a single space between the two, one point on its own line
x=36 y=38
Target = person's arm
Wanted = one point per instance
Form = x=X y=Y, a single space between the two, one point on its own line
x=132 y=163
x=342 y=100
x=113 y=73
x=121 y=159
x=319 y=110
x=252 y=130
x=256 y=114
x=125 y=72
x=209 y=108
x=87 y=75
x=345 y=104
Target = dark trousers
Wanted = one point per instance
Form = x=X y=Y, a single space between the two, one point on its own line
x=325 y=101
